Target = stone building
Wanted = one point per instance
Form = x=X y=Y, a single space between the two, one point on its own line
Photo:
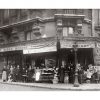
x=29 y=36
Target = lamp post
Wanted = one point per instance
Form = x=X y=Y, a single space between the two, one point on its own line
x=76 y=83
x=58 y=45
x=75 y=46
x=59 y=32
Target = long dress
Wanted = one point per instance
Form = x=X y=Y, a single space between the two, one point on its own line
x=4 y=75
x=62 y=74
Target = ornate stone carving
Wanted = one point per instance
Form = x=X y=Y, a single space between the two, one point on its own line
x=79 y=26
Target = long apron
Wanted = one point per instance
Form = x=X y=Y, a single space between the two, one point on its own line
x=4 y=76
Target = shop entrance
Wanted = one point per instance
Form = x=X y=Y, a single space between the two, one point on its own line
x=40 y=60
x=84 y=58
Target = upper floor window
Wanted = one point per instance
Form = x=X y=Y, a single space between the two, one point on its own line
x=70 y=30
x=5 y=17
x=67 y=31
x=28 y=35
x=70 y=11
x=6 y=14
x=90 y=14
x=13 y=12
x=23 y=14
x=80 y=11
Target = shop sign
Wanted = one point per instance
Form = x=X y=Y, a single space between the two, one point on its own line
x=80 y=45
x=36 y=47
x=86 y=45
x=13 y=48
x=39 y=50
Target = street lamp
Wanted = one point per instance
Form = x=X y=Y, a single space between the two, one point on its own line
x=76 y=83
x=75 y=46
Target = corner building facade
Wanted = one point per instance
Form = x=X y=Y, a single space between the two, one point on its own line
x=29 y=36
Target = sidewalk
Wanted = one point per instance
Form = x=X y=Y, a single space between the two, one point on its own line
x=82 y=87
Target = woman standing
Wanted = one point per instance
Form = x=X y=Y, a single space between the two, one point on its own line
x=11 y=72
x=4 y=74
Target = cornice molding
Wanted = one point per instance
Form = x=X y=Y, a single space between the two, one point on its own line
x=42 y=20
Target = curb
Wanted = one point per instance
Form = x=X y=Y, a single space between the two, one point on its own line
x=49 y=87
x=27 y=85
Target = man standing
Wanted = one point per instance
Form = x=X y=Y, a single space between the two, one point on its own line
x=62 y=73
x=18 y=76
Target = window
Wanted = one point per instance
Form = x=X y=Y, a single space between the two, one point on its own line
x=90 y=14
x=13 y=15
x=13 y=12
x=70 y=11
x=23 y=14
x=67 y=30
x=28 y=37
x=80 y=11
x=6 y=14
x=70 y=30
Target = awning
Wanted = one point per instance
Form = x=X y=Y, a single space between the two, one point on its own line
x=40 y=50
x=44 y=46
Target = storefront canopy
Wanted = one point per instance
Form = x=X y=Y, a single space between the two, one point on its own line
x=28 y=48
x=40 y=50
x=48 y=45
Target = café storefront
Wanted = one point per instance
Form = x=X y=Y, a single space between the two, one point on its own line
x=44 y=53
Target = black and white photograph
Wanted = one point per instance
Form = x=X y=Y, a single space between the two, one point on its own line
x=49 y=49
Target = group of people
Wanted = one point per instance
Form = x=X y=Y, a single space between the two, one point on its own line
x=10 y=73
x=16 y=73
x=92 y=74
x=86 y=74
x=26 y=74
